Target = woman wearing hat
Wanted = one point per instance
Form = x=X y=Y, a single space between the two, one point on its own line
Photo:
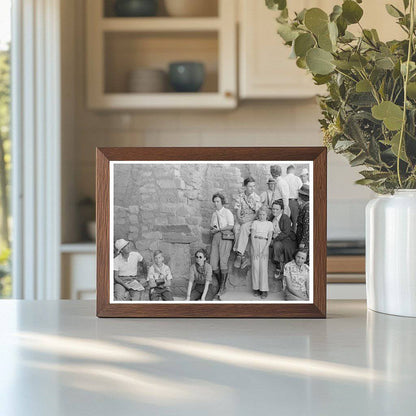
x=126 y=284
x=302 y=230
x=304 y=176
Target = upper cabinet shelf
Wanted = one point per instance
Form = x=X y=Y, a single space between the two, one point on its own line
x=128 y=58
x=160 y=24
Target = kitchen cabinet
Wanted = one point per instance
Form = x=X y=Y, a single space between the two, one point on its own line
x=118 y=45
x=265 y=70
x=78 y=262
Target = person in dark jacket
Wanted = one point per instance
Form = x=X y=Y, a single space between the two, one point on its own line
x=284 y=239
x=302 y=231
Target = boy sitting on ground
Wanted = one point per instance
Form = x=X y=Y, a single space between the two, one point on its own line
x=159 y=278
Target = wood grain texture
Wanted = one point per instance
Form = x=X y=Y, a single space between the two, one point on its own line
x=217 y=309
x=345 y=278
x=346 y=264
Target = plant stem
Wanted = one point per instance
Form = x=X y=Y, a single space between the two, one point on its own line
x=406 y=79
x=345 y=75
x=373 y=90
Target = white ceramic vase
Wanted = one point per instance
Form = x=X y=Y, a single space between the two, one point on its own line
x=391 y=253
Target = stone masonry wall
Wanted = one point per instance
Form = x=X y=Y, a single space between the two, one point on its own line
x=168 y=207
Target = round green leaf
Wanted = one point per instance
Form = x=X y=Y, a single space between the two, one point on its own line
x=351 y=11
x=301 y=15
x=319 y=61
x=358 y=61
x=412 y=67
x=363 y=86
x=342 y=64
x=391 y=114
x=321 y=79
x=364 y=181
x=324 y=42
x=393 y=11
x=301 y=63
x=303 y=43
x=286 y=32
x=336 y=12
x=411 y=90
x=276 y=4
x=333 y=32
x=327 y=40
x=385 y=63
x=316 y=20
x=342 y=25
x=375 y=35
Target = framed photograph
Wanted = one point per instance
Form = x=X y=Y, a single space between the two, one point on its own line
x=211 y=232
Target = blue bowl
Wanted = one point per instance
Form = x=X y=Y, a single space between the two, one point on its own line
x=135 y=8
x=186 y=76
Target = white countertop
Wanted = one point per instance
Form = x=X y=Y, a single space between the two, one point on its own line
x=57 y=358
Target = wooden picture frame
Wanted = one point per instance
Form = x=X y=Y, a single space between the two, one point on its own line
x=316 y=308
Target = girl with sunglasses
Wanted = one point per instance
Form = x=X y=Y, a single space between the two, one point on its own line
x=202 y=284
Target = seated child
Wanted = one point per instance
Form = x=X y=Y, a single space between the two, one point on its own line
x=159 y=278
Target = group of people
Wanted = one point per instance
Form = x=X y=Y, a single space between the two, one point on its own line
x=271 y=226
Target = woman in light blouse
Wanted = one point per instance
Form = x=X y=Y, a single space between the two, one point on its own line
x=222 y=220
x=296 y=278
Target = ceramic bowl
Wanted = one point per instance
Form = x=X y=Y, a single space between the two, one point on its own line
x=135 y=8
x=147 y=80
x=186 y=76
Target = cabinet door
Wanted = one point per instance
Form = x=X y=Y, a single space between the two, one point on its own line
x=376 y=17
x=265 y=68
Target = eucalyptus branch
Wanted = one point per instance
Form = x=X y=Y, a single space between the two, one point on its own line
x=373 y=89
x=392 y=90
x=397 y=95
x=406 y=79
x=370 y=64
x=369 y=41
x=404 y=29
x=345 y=75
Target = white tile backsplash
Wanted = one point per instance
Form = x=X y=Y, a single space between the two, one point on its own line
x=288 y=123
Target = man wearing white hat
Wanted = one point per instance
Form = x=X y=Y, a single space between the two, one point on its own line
x=304 y=176
x=266 y=198
x=295 y=184
x=282 y=188
x=126 y=284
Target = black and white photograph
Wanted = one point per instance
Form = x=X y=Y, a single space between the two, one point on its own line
x=211 y=231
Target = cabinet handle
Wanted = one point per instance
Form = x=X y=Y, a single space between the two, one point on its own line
x=228 y=94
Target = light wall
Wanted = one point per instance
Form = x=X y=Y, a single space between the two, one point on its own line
x=254 y=123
